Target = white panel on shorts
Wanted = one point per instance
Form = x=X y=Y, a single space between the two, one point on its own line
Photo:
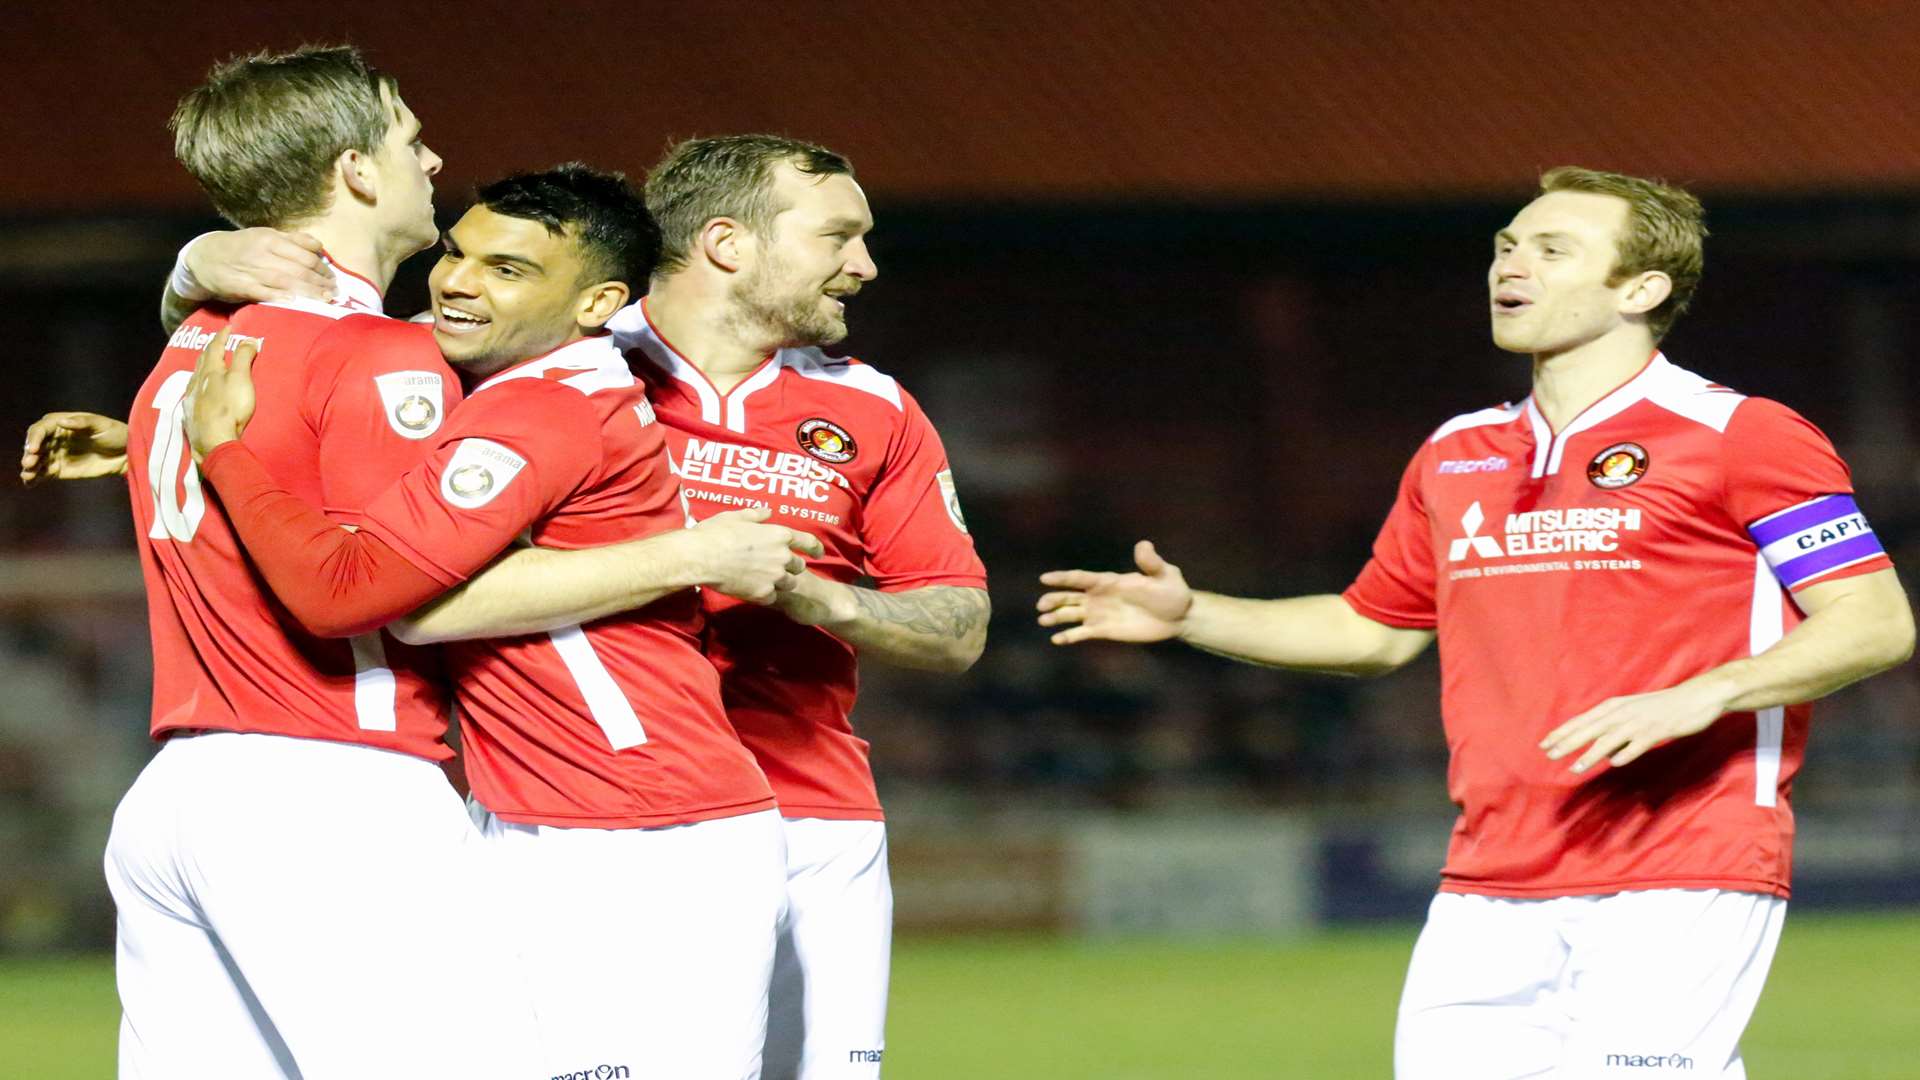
x=1621 y=986
x=827 y=1012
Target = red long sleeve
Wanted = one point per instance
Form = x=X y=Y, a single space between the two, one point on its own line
x=338 y=583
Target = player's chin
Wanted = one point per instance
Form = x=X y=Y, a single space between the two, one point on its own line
x=1509 y=339
x=462 y=349
x=830 y=330
x=424 y=233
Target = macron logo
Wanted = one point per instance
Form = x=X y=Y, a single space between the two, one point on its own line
x=1648 y=1061
x=1493 y=463
x=1484 y=546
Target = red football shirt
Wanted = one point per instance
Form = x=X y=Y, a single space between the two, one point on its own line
x=838 y=450
x=617 y=724
x=346 y=397
x=1657 y=536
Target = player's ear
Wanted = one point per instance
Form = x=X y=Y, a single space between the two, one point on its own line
x=599 y=302
x=356 y=169
x=723 y=241
x=1646 y=291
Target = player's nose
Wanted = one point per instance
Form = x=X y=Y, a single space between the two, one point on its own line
x=860 y=262
x=460 y=279
x=1509 y=266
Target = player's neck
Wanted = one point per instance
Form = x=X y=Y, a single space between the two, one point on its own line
x=1566 y=383
x=697 y=327
x=352 y=246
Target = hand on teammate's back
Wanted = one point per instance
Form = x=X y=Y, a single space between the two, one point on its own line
x=1146 y=606
x=220 y=395
x=747 y=559
x=260 y=265
x=73 y=446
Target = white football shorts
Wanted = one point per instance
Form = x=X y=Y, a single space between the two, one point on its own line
x=828 y=1013
x=309 y=910
x=1623 y=986
x=649 y=950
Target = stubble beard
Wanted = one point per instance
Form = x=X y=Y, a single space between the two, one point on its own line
x=792 y=321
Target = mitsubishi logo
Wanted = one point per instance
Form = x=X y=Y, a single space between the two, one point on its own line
x=1484 y=546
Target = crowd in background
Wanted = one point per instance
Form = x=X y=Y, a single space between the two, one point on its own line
x=1248 y=406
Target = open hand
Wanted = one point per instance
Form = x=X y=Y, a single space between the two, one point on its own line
x=1098 y=606
x=220 y=395
x=73 y=446
x=1623 y=728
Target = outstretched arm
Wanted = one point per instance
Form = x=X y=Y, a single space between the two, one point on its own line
x=1307 y=633
x=934 y=628
x=1855 y=627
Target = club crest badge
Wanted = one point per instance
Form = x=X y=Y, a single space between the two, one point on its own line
x=1617 y=466
x=411 y=401
x=827 y=441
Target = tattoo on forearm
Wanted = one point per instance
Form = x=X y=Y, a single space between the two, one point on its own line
x=950 y=611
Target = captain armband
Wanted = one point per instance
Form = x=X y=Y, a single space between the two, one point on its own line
x=1816 y=537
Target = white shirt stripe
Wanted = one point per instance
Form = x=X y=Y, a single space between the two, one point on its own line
x=1766 y=625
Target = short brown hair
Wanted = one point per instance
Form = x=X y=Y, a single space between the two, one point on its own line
x=729 y=176
x=261 y=134
x=1666 y=231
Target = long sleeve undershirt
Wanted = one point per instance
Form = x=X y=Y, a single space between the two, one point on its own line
x=336 y=581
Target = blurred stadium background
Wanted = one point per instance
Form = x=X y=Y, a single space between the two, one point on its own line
x=1202 y=272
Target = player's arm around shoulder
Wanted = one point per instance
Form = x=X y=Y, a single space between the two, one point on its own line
x=1154 y=603
x=243 y=266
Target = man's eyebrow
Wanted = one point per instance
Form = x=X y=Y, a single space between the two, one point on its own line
x=1508 y=234
x=517 y=260
x=845 y=223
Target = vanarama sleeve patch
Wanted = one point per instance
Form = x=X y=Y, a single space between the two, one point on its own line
x=412 y=401
x=479 y=470
x=1816 y=537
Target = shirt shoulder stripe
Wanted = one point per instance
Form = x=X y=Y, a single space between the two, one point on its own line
x=1694 y=397
x=814 y=364
x=1499 y=414
x=589 y=366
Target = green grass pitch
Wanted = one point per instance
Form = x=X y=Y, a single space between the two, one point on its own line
x=1843 y=1004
